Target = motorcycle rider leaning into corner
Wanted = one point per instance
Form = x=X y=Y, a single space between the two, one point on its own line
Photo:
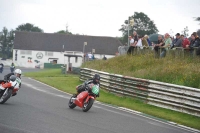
x=17 y=73
x=95 y=80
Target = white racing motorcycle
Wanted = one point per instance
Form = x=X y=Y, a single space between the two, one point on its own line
x=9 y=88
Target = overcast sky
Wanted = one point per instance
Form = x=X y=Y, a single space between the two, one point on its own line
x=98 y=17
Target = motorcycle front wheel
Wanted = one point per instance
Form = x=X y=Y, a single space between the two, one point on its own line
x=71 y=104
x=6 y=96
x=88 y=105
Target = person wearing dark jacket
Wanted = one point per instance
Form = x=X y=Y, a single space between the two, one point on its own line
x=194 y=43
x=156 y=46
x=83 y=87
x=17 y=72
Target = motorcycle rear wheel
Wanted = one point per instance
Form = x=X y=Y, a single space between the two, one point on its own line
x=88 y=105
x=71 y=104
x=5 y=97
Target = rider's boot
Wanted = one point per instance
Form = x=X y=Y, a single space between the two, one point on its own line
x=14 y=94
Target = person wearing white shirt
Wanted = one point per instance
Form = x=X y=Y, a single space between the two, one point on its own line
x=131 y=48
x=139 y=43
x=90 y=56
x=131 y=41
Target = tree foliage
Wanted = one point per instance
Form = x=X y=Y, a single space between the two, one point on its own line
x=198 y=32
x=28 y=27
x=6 y=40
x=142 y=25
x=64 y=32
x=185 y=31
x=197 y=19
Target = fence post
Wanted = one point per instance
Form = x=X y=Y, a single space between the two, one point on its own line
x=194 y=53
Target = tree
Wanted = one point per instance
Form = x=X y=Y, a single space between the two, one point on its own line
x=64 y=32
x=185 y=32
x=197 y=19
x=198 y=32
x=142 y=25
x=122 y=40
x=28 y=27
x=6 y=40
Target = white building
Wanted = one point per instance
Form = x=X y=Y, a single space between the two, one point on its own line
x=32 y=49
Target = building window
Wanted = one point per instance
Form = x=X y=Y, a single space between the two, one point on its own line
x=53 y=61
x=48 y=53
x=25 y=52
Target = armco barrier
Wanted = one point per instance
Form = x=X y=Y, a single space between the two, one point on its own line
x=170 y=96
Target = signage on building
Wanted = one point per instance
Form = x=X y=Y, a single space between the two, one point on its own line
x=39 y=55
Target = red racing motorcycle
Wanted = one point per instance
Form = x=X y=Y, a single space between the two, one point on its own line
x=85 y=99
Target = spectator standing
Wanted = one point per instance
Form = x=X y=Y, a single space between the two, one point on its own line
x=174 y=40
x=139 y=42
x=147 y=38
x=12 y=64
x=104 y=58
x=90 y=56
x=93 y=57
x=167 y=43
x=135 y=37
x=144 y=42
x=157 y=45
x=195 y=42
x=178 y=42
x=131 y=48
x=185 y=41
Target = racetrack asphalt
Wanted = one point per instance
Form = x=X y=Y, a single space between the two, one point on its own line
x=38 y=108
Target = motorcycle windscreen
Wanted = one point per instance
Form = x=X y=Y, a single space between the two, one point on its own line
x=95 y=89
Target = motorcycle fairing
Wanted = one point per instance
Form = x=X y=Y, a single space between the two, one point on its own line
x=80 y=98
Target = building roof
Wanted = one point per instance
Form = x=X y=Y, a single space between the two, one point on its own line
x=62 y=42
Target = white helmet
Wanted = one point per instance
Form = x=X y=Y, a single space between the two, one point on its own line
x=18 y=71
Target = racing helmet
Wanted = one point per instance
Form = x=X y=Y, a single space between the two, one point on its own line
x=13 y=78
x=18 y=71
x=96 y=78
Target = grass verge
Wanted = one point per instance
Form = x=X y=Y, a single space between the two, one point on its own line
x=180 y=71
x=67 y=83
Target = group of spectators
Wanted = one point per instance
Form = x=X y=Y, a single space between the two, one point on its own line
x=138 y=41
x=90 y=56
x=165 y=43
